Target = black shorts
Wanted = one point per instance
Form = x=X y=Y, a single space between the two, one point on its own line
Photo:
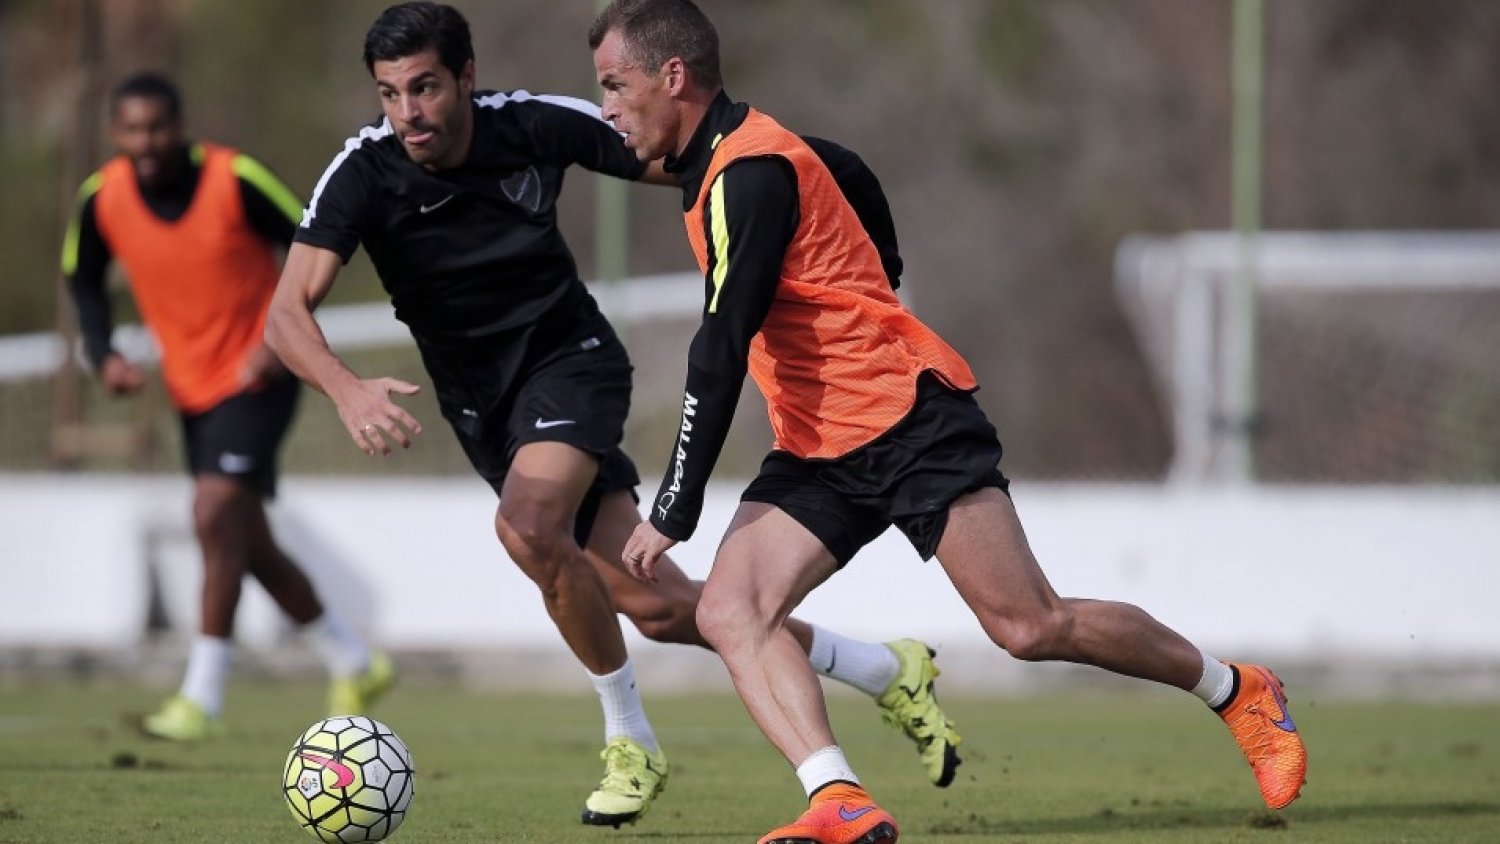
x=239 y=436
x=943 y=449
x=565 y=379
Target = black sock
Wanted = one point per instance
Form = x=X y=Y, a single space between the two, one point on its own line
x=1234 y=691
x=831 y=782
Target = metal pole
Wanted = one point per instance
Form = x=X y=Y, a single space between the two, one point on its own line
x=1241 y=419
x=67 y=444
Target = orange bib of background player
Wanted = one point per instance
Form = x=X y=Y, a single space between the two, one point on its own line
x=202 y=282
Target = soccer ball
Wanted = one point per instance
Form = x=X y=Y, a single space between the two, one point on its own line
x=348 y=779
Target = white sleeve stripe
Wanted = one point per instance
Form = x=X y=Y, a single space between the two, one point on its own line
x=368 y=133
x=381 y=130
x=575 y=103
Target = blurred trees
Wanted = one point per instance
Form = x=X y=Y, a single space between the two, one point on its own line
x=1019 y=141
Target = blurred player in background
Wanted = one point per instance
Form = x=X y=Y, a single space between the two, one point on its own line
x=453 y=196
x=198 y=229
x=875 y=425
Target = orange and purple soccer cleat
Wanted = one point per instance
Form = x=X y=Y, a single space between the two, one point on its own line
x=840 y=814
x=1258 y=718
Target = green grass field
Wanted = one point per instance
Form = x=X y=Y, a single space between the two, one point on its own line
x=1144 y=768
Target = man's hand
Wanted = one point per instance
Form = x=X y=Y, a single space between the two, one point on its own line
x=643 y=549
x=260 y=368
x=370 y=416
x=119 y=376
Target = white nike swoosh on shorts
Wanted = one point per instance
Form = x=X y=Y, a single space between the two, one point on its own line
x=235 y=464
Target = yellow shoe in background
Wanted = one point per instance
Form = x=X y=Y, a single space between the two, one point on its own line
x=180 y=719
x=355 y=695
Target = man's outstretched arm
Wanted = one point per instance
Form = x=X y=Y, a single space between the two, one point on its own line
x=86 y=258
x=364 y=405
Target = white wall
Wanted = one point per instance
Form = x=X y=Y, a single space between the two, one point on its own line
x=1399 y=573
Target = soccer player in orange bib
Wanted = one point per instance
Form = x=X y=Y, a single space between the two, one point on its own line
x=197 y=228
x=875 y=424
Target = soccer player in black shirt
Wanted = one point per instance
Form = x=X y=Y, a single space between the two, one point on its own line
x=453 y=196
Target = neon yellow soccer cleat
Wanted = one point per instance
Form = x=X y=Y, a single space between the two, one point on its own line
x=633 y=776
x=181 y=719
x=910 y=705
x=355 y=695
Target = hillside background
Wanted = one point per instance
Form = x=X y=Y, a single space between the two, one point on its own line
x=1019 y=141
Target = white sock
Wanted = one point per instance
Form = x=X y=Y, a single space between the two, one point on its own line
x=207 y=672
x=623 y=713
x=1216 y=684
x=342 y=650
x=823 y=767
x=867 y=666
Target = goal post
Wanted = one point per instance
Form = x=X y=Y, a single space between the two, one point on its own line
x=1376 y=355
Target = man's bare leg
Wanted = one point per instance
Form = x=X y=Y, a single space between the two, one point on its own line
x=897 y=675
x=985 y=553
x=534 y=521
x=766 y=565
x=538 y=504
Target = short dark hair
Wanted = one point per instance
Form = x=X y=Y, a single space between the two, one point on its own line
x=657 y=30
x=149 y=85
x=409 y=28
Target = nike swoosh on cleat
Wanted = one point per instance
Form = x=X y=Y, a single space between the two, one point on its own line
x=1285 y=722
x=542 y=425
x=855 y=815
x=343 y=773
